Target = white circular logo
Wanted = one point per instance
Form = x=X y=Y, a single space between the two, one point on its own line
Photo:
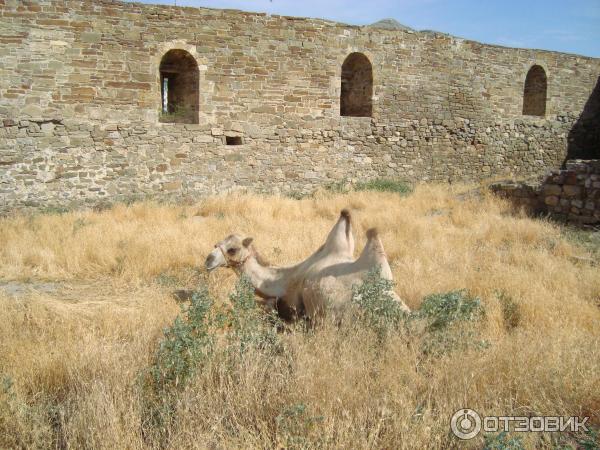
x=465 y=424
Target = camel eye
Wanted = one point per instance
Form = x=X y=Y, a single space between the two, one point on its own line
x=232 y=251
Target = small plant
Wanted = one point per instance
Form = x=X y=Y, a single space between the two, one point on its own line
x=185 y=345
x=449 y=322
x=249 y=328
x=78 y=225
x=174 y=113
x=190 y=343
x=587 y=239
x=590 y=441
x=295 y=426
x=16 y=410
x=384 y=185
x=503 y=441
x=119 y=265
x=441 y=310
x=510 y=311
x=379 y=310
x=297 y=195
x=54 y=210
x=167 y=280
x=7 y=384
x=337 y=187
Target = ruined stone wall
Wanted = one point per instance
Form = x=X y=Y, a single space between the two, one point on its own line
x=81 y=102
x=571 y=194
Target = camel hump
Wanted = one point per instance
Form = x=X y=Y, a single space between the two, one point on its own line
x=372 y=233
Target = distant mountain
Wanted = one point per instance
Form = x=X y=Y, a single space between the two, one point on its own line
x=389 y=24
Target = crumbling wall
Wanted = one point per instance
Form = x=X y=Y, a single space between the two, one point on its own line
x=571 y=194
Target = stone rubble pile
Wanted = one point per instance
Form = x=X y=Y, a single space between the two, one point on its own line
x=571 y=194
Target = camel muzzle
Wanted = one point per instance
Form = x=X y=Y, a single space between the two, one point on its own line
x=210 y=263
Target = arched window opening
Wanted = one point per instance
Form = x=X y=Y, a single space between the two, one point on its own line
x=179 y=86
x=534 y=95
x=357 y=86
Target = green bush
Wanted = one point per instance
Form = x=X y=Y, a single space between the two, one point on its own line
x=190 y=340
x=502 y=441
x=384 y=185
x=191 y=343
x=377 y=308
x=185 y=345
x=442 y=310
x=249 y=327
x=449 y=322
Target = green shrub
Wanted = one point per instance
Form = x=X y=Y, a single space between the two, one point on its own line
x=590 y=440
x=377 y=308
x=185 y=345
x=167 y=280
x=384 y=185
x=449 y=322
x=191 y=343
x=249 y=327
x=442 y=310
x=502 y=441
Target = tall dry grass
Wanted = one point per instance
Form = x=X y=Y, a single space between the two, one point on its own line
x=71 y=360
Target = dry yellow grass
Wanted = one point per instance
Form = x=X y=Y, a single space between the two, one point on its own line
x=74 y=356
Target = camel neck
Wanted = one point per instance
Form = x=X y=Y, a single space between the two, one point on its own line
x=270 y=281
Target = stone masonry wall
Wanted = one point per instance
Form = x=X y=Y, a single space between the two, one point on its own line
x=80 y=101
x=571 y=194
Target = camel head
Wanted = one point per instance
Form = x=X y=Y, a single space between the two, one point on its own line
x=233 y=251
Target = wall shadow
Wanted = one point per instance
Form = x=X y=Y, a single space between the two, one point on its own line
x=584 y=137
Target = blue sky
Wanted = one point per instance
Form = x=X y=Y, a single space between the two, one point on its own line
x=571 y=26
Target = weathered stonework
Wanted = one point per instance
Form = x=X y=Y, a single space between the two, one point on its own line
x=80 y=107
x=571 y=194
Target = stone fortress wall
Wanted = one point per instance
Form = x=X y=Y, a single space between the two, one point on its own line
x=82 y=101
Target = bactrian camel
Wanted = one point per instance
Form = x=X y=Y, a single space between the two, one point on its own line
x=272 y=283
x=325 y=278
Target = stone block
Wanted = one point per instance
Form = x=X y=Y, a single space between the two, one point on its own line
x=572 y=190
x=91 y=37
x=172 y=185
x=47 y=127
x=552 y=189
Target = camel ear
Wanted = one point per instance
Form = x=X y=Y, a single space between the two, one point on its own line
x=246 y=242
